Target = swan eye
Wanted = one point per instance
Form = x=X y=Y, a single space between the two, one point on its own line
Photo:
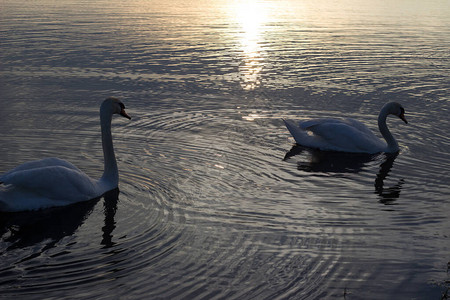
x=122 y=106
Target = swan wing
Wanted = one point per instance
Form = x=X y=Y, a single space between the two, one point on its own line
x=343 y=135
x=360 y=127
x=357 y=125
x=54 y=182
x=306 y=125
x=36 y=164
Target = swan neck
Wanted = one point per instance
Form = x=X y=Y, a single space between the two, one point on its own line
x=110 y=173
x=392 y=145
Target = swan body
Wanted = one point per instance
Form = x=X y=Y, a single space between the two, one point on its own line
x=347 y=135
x=55 y=182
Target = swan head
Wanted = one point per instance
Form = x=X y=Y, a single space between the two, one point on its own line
x=114 y=106
x=396 y=109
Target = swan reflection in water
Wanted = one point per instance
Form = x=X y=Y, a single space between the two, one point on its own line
x=342 y=162
x=24 y=229
x=109 y=209
x=390 y=194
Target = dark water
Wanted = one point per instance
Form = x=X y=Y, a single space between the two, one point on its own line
x=214 y=201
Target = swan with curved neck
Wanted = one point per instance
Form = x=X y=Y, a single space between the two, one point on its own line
x=347 y=135
x=55 y=182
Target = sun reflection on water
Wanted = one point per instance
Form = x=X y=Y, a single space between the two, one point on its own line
x=251 y=16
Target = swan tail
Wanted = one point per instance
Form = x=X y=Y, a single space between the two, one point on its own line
x=300 y=136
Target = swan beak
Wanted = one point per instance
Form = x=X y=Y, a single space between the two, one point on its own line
x=402 y=116
x=123 y=113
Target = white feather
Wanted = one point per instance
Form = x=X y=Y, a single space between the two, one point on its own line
x=54 y=182
x=346 y=135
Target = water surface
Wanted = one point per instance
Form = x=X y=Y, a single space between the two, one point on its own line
x=215 y=201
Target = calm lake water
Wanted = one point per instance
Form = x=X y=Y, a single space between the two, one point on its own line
x=214 y=201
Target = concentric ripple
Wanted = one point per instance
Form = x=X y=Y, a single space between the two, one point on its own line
x=214 y=199
x=218 y=204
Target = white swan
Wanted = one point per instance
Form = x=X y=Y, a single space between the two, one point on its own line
x=347 y=135
x=56 y=182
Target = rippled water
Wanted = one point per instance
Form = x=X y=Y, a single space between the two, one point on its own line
x=215 y=201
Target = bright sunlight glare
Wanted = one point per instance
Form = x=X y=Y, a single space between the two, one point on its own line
x=251 y=16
